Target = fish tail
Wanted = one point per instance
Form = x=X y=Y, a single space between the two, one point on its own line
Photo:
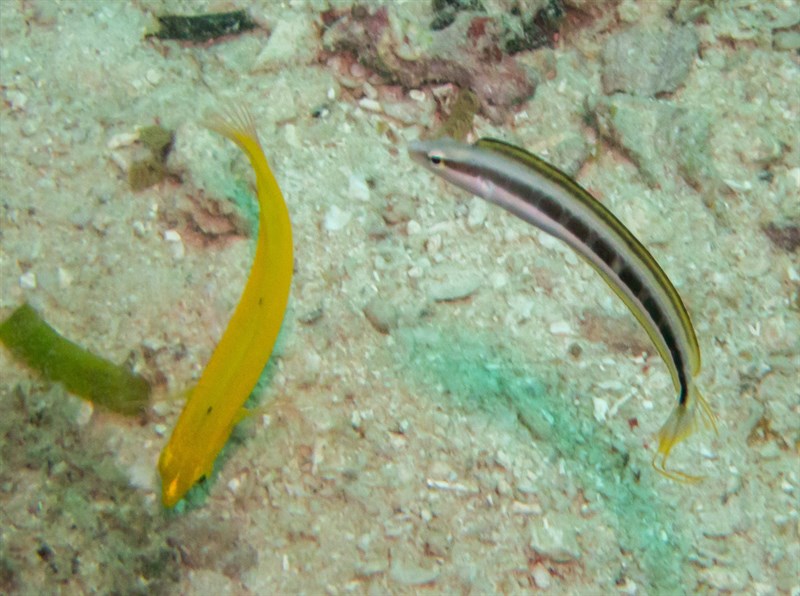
x=237 y=123
x=681 y=424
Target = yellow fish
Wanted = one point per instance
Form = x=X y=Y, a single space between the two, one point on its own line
x=215 y=405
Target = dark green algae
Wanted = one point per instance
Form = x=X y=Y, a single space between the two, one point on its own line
x=30 y=339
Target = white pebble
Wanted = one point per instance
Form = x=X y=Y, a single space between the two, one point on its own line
x=233 y=485
x=417 y=95
x=549 y=242
x=291 y=136
x=84 y=413
x=138 y=228
x=176 y=243
x=357 y=188
x=160 y=408
x=64 y=278
x=123 y=139
x=141 y=475
x=120 y=161
x=454 y=285
x=478 y=210
x=555 y=538
x=629 y=587
x=313 y=362
x=358 y=70
x=526 y=508
x=521 y=307
x=30 y=126
x=17 y=99
x=27 y=281
x=434 y=244
x=600 y=409
x=723 y=579
x=413 y=227
x=336 y=219
x=541 y=576
x=370 y=104
x=153 y=76
x=794 y=176
x=369 y=90
x=411 y=575
x=561 y=328
x=498 y=279
x=761 y=589
x=408 y=52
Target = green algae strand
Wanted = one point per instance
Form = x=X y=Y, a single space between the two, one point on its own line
x=34 y=342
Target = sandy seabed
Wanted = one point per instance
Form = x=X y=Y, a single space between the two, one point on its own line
x=457 y=404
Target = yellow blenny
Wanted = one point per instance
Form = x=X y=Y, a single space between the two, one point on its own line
x=215 y=404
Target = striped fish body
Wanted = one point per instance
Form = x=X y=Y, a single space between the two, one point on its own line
x=547 y=198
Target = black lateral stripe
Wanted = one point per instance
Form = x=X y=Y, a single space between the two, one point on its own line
x=559 y=178
x=669 y=339
x=578 y=228
x=550 y=208
x=604 y=250
x=660 y=321
x=630 y=279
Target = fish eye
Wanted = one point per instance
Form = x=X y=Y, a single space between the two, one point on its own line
x=436 y=159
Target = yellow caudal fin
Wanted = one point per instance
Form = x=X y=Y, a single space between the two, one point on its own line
x=235 y=122
x=681 y=423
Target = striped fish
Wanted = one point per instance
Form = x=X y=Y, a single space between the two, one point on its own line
x=547 y=198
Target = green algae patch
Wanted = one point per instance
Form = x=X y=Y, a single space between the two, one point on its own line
x=477 y=375
x=246 y=204
x=152 y=169
x=34 y=342
x=204 y=27
x=459 y=122
x=145 y=173
x=72 y=523
x=157 y=139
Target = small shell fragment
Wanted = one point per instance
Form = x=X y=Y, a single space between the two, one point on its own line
x=27 y=281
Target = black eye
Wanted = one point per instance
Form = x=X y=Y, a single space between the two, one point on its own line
x=435 y=159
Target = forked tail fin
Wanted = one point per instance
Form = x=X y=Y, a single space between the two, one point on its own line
x=682 y=422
